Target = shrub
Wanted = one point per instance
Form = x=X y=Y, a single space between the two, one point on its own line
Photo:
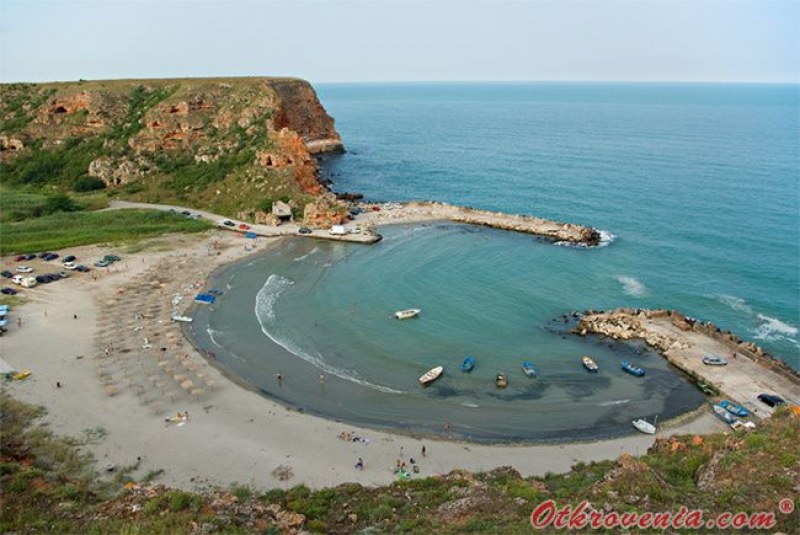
x=88 y=183
x=60 y=202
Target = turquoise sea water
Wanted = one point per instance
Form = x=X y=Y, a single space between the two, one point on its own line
x=698 y=184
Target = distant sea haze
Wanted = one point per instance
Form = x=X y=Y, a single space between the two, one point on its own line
x=694 y=187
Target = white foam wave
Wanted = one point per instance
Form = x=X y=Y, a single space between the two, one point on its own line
x=606 y=238
x=265 y=314
x=736 y=303
x=301 y=258
x=211 y=332
x=631 y=286
x=469 y=404
x=775 y=329
x=616 y=402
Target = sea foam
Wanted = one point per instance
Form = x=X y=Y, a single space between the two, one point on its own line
x=265 y=314
x=631 y=286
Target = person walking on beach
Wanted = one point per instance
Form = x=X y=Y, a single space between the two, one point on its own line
x=360 y=464
x=279 y=377
x=424 y=451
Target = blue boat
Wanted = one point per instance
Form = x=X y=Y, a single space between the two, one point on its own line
x=468 y=364
x=205 y=299
x=631 y=369
x=724 y=415
x=733 y=408
x=528 y=369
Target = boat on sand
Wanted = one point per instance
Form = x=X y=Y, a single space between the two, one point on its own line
x=733 y=408
x=644 y=426
x=724 y=415
x=590 y=364
x=431 y=375
x=405 y=314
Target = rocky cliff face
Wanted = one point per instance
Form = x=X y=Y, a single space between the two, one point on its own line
x=233 y=145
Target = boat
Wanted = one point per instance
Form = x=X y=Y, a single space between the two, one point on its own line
x=631 y=369
x=644 y=426
x=500 y=381
x=528 y=369
x=431 y=375
x=405 y=314
x=589 y=364
x=733 y=408
x=468 y=364
x=724 y=415
x=184 y=319
x=205 y=299
x=707 y=389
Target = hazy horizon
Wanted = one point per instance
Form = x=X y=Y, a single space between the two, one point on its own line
x=404 y=41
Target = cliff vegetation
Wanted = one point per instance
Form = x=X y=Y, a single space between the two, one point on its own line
x=231 y=146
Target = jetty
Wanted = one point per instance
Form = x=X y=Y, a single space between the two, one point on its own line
x=684 y=341
x=376 y=214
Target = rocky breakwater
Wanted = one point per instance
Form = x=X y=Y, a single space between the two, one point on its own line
x=684 y=341
x=415 y=212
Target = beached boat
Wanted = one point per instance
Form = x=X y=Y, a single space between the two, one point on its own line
x=468 y=365
x=204 y=299
x=500 y=381
x=528 y=369
x=590 y=364
x=631 y=369
x=733 y=408
x=724 y=415
x=431 y=375
x=644 y=426
x=405 y=314
x=184 y=319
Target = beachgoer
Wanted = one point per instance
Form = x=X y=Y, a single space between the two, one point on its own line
x=360 y=464
x=401 y=452
x=322 y=378
x=447 y=427
x=75 y=316
x=58 y=384
x=279 y=377
x=424 y=451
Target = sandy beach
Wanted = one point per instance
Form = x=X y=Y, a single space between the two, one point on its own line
x=124 y=369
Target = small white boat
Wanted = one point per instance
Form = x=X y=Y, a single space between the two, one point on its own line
x=589 y=364
x=405 y=314
x=185 y=319
x=431 y=375
x=644 y=426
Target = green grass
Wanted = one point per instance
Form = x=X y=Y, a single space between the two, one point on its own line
x=62 y=230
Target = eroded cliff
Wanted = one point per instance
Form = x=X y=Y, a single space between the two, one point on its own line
x=232 y=145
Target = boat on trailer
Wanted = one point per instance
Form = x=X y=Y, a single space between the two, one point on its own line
x=406 y=314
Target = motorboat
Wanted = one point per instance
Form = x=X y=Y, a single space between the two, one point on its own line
x=724 y=415
x=528 y=369
x=406 y=314
x=631 y=369
x=644 y=426
x=590 y=364
x=500 y=381
x=184 y=319
x=733 y=408
x=468 y=365
x=431 y=375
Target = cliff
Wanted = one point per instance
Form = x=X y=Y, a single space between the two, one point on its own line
x=232 y=145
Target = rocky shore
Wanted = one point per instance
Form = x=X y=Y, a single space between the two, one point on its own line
x=683 y=341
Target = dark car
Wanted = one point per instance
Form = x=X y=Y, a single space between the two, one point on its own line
x=42 y=279
x=111 y=258
x=21 y=258
x=771 y=399
x=30 y=256
x=70 y=258
x=82 y=268
x=186 y=213
x=229 y=223
x=50 y=256
x=304 y=230
x=6 y=273
x=8 y=291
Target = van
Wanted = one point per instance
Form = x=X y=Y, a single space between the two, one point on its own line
x=337 y=230
x=29 y=282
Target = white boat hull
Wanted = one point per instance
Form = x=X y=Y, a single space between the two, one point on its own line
x=406 y=314
x=644 y=426
x=431 y=375
x=184 y=319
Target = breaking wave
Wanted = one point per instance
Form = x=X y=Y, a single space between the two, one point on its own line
x=265 y=314
x=631 y=286
x=211 y=332
x=301 y=258
x=735 y=303
x=616 y=402
x=775 y=329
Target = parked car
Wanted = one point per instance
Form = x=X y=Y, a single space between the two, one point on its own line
x=45 y=253
x=50 y=256
x=6 y=273
x=186 y=213
x=244 y=226
x=771 y=399
x=229 y=223
x=42 y=279
x=713 y=360
x=70 y=265
x=17 y=279
x=21 y=258
x=24 y=269
x=101 y=263
x=82 y=268
x=70 y=258
x=304 y=230
x=63 y=274
x=111 y=258
x=8 y=291
x=30 y=256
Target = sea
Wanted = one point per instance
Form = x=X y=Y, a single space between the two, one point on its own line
x=695 y=187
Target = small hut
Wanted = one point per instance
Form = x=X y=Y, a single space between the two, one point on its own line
x=282 y=211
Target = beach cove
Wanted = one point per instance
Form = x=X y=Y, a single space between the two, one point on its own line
x=234 y=434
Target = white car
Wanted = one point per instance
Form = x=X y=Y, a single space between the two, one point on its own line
x=24 y=269
x=70 y=265
x=17 y=279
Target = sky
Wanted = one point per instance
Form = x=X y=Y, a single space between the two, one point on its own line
x=403 y=40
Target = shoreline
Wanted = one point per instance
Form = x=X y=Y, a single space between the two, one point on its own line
x=246 y=434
